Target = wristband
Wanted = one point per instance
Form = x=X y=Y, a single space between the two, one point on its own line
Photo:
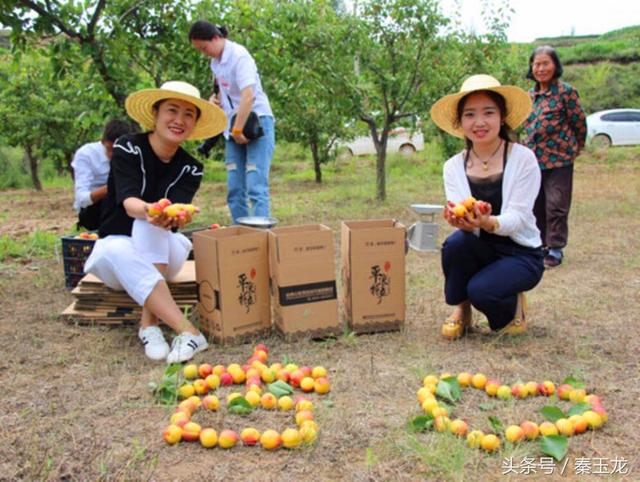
x=236 y=132
x=495 y=226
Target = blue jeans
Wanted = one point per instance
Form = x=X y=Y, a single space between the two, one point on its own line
x=489 y=274
x=248 y=172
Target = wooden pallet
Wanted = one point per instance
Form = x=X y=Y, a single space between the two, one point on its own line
x=95 y=303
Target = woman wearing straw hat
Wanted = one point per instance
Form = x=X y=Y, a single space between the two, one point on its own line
x=136 y=251
x=495 y=254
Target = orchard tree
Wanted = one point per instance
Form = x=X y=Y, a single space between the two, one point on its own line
x=37 y=117
x=401 y=67
x=126 y=45
x=310 y=64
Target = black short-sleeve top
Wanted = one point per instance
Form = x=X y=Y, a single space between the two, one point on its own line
x=136 y=171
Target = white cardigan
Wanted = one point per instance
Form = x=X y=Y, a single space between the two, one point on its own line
x=520 y=186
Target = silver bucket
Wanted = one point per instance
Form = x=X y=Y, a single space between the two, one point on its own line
x=423 y=236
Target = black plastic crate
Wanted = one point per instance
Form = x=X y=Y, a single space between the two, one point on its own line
x=71 y=280
x=73 y=247
x=75 y=252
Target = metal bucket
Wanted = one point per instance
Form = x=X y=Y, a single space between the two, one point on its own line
x=423 y=236
x=262 y=222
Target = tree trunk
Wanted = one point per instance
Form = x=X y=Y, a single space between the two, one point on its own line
x=381 y=159
x=33 y=167
x=316 y=161
x=381 y=191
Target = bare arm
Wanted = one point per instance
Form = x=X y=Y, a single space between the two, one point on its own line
x=99 y=193
x=244 y=109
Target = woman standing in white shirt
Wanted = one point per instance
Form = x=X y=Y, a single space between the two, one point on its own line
x=248 y=147
x=495 y=255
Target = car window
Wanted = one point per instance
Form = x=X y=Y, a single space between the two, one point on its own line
x=622 y=117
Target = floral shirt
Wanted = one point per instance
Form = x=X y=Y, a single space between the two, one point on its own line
x=557 y=128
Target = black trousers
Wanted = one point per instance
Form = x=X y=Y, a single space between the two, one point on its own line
x=489 y=274
x=552 y=206
x=89 y=217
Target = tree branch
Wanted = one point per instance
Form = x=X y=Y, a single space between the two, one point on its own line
x=412 y=86
x=130 y=11
x=55 y=20
x=94 y=20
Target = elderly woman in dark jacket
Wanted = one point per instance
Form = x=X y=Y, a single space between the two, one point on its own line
x=556 y=132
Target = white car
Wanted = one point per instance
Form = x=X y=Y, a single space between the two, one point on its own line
x=617 y=127
x=399 y=140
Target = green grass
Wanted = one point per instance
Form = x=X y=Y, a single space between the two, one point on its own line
x=57 y=182
x=39 y=244
x=444 y=456
x=601 y=50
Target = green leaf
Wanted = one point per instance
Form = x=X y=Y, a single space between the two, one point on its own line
x=578 y=409
x=280 y=388
x=554 y=445
x=552 y=413
x=486 y=406
x=449 y=389
x=495 y=423
x=422 y=422
x=240 y=405
x=166 y=391
x=575 y=383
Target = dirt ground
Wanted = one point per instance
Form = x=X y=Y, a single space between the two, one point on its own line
x=76 y=402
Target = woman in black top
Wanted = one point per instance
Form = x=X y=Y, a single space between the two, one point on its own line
x=137 y=251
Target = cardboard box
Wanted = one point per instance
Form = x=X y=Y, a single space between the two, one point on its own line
x=232 y=272
x=373 y=275
x=303 y=281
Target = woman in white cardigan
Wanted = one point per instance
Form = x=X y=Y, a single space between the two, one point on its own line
x=495 y=255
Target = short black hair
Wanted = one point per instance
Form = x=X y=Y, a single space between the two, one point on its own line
x=116 y=128
x=203 y=30
x=551 y=52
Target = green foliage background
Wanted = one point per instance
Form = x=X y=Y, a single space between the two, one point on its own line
x=63 y=75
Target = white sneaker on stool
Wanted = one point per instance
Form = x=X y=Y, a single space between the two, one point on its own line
x=155 y=346
x=185 y=346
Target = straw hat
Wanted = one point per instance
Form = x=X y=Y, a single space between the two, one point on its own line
x=212 y=120
x=444 y=111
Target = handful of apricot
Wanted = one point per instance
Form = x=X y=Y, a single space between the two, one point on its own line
x=465 y=207
x=172 y=210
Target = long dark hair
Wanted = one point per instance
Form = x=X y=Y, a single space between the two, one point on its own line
x=505 y=133
x=203 y=30
x=551 y=52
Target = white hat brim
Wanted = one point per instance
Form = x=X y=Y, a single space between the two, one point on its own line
x=444 y=111
x=212 y=120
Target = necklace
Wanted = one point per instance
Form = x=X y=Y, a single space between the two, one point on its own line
x=485 y=162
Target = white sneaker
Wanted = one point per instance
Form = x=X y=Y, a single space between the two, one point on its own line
x=155 y=346
x=185 y=346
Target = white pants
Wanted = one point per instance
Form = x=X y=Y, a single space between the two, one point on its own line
x=127 y=262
